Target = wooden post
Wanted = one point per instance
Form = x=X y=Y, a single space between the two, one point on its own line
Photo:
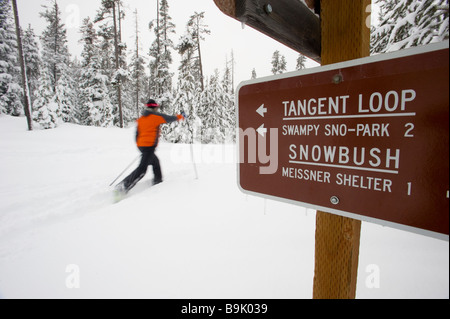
x=345 y=36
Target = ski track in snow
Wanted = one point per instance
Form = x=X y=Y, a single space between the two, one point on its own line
x=48 y=177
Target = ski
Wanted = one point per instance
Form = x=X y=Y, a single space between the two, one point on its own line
x=119 y=194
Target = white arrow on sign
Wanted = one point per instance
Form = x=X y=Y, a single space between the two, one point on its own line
x=262 y=130
x=262 y=110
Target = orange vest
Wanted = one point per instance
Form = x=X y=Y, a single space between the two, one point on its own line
x=148 y=130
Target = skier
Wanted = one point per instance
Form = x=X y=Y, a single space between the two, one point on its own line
x=147 y=136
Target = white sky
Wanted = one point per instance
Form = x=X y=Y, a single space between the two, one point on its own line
x=251 y=48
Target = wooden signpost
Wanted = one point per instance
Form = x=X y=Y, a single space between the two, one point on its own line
x=365 y=139
x=345 y=36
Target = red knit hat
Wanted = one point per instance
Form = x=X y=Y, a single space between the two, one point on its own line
x=152 y=104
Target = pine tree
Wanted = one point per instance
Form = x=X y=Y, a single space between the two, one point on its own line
x=187 y=97
x=54 y=43
x=56 y=61
x=227 y=79
x=110 y=15
x=105 y=33
x=301 y=62
x=228 y=113
x=190 y=82
x=409 y=23
x=10 y=90
x=161 y=55
x=45 y=108
x=96 y=107
x=65 y=94
x=278 y=63
x=216 y=109
x=32 y=60
x=139 y=80
x=197 y=30
x=106 y=58
x=76 y=69
x=210 y=111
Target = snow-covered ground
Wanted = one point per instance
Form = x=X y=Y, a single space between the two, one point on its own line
x=61 y=236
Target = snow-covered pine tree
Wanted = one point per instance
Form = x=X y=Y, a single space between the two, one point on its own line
x=161 y=56
x=409 y=23
x=190 y=81
x=301 y=60
x=279 y=64
x=204 y=110
x=96 y=107
x=216 y=108
x=45 y=108
x=76 y=69
x=212 y=111
x=32 y=60
x=109 y=17
x=88 y=38
x=197 y=29
x=106 y=57
x=138 y=83
x=56 y=59
x=65 y=94
x=105 y=34
x=187 y=97
x=228 y=105
x=10 y=90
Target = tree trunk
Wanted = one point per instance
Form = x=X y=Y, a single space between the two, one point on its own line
x=22 y=67
x=137 y=66
x=202 y=81
x=119 y=86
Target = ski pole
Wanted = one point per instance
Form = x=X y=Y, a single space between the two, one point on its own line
x=192 y=145
x=193 y=160
x=134 y=161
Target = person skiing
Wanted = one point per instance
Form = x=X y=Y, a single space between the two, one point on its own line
x=147 y=137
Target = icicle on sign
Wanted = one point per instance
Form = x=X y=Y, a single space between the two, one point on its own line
x=367 y=139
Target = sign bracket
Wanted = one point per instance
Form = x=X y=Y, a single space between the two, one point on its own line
x=290 y=22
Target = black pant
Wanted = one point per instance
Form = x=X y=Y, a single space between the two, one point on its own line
x=148 y=158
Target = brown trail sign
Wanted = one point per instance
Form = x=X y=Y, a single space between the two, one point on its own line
x=366 y=139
